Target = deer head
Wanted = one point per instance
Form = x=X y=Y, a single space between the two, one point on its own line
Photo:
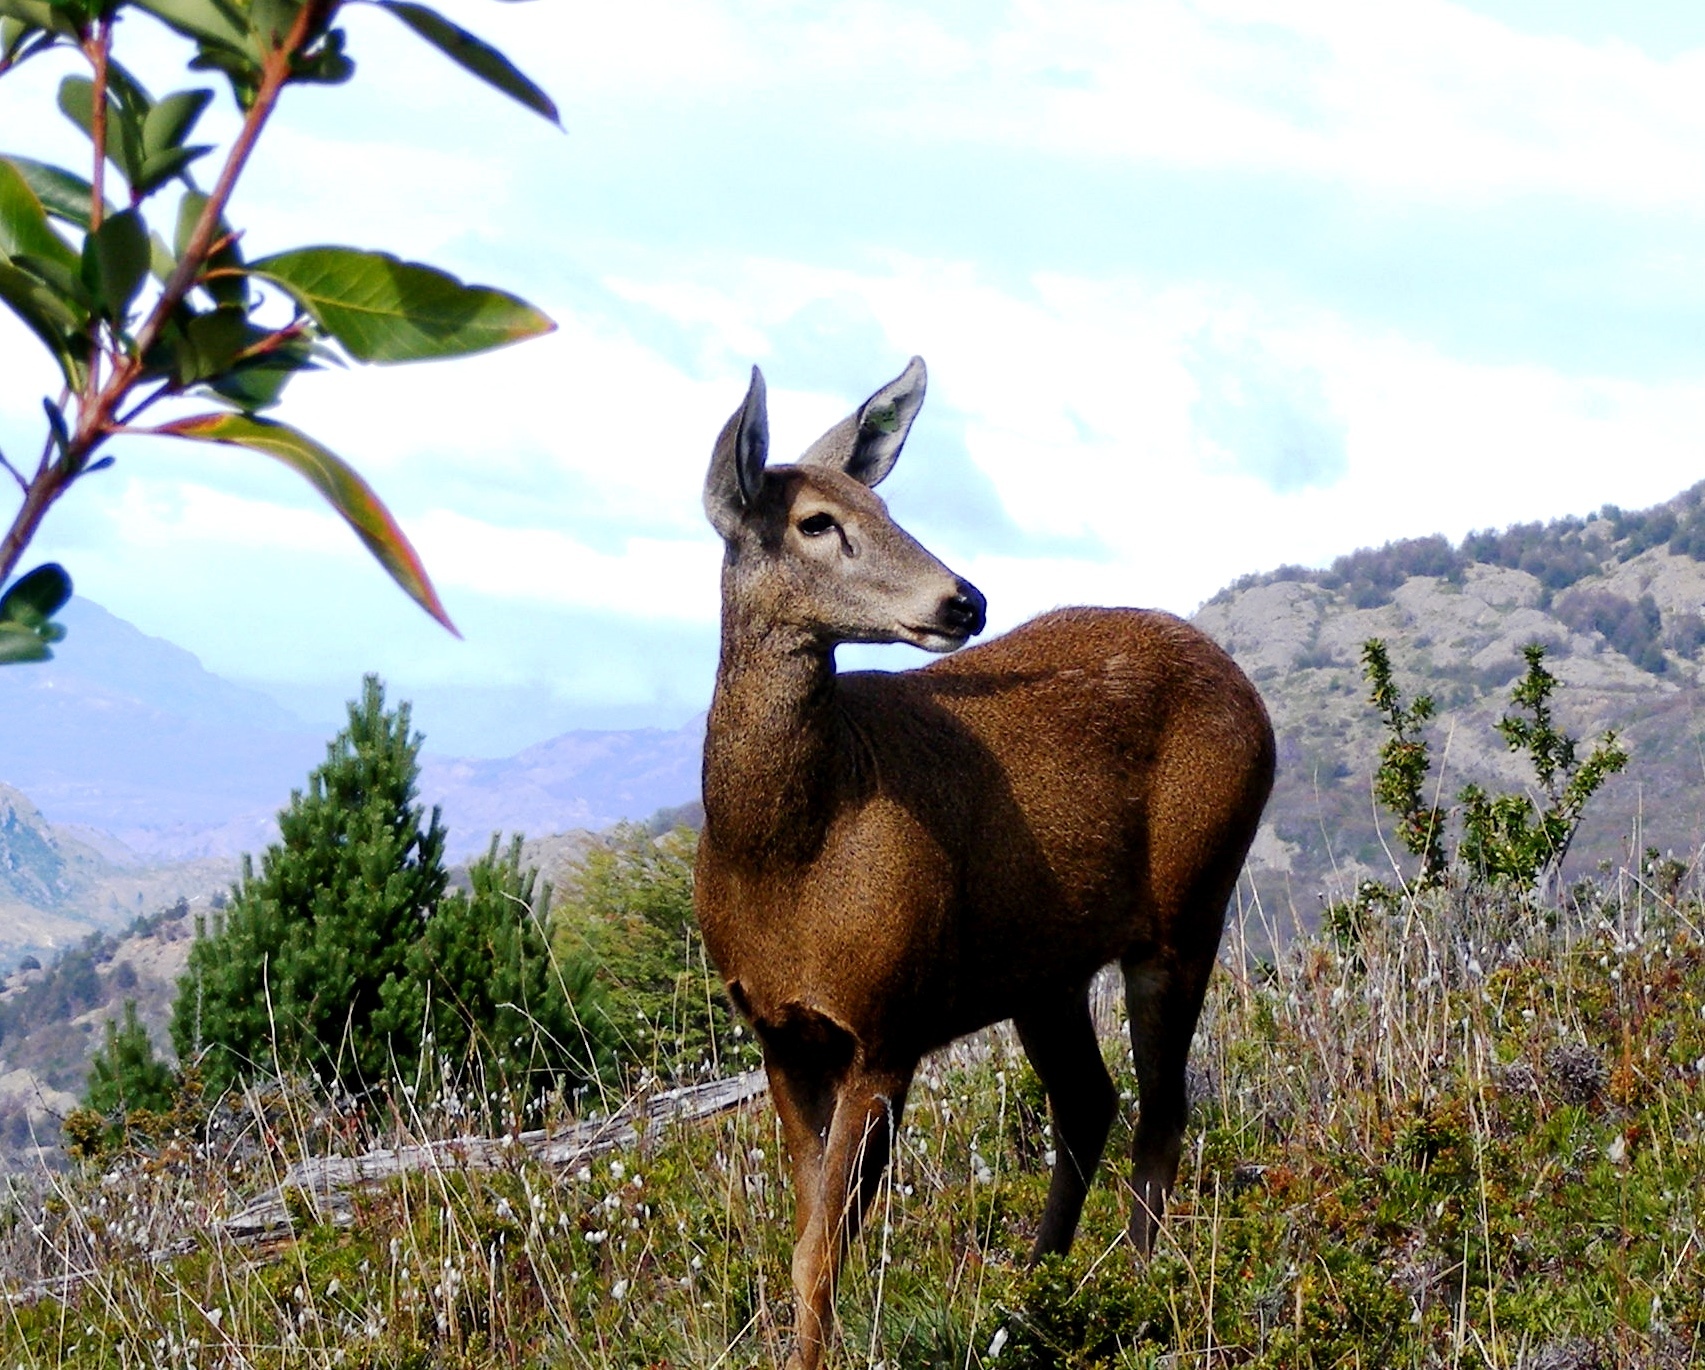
x=811 y=551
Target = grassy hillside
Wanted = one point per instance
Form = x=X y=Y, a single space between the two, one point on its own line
x=1473 y=1136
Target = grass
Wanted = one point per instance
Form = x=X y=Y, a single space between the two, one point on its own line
x=1464 y=1134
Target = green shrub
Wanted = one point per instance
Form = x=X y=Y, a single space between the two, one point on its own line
x=292 y=976
x=630 y=909
x=484 y=996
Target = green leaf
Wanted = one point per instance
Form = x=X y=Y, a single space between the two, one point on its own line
x=385 y=310
x=49 y=317
x=207 y=21
x=211 y=342
x=39 y=14
x=36 y=597
x=161 y=167
x=26 y=609
x=62 y=194
x=127 y=107
x=473 y=54
x=116 y=257
x=337 y=481
x=24 y=230
x=169 y=122
x=222 y=289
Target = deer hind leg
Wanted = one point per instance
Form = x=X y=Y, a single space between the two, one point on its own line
x=839 y=1118
x=1060 y=1042
x=1163 y=1001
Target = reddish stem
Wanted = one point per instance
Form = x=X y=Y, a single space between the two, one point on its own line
x=95 y=421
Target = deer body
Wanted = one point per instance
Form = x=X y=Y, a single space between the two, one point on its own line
x=890 y=861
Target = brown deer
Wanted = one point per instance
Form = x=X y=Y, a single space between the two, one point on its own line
x=890 y=861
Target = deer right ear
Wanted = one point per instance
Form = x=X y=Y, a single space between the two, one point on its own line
x=737 y=463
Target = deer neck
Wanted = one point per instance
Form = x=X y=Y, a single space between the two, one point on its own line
x=773 y=743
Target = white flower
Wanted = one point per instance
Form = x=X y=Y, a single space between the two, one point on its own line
x=996 y=1342
x=619 y=1290
x=594 y=1238
x=617 y=1170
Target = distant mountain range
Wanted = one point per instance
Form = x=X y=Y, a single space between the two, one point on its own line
x=136 y=756
x=123 y=759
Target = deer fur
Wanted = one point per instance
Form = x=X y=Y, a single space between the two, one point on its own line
x=892 y=860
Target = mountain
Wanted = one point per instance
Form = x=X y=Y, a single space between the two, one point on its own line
x=131 y=735
x=1616 y=598
x=578 y=780
x=58 y=885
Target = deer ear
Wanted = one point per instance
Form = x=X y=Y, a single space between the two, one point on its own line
x=866 y=444
x=737 y=463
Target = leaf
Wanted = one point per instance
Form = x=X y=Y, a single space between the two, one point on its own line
x=337 y=481
x=26 y=609
x=473 y=54
x=36 y=597
x=385 y=310
x=169 y=122
x=223 y=289
x=24 y=230
x=49 y=317
x=116 y=257
x=38 y=14
x=208 y=21
x=62 y=194
x=159 y=168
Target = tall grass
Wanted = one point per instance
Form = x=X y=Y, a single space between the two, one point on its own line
x=1460 y=1132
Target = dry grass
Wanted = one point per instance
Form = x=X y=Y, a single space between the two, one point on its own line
x=1473 y=1136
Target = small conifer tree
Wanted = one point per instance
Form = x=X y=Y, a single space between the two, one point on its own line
x=293 y=976
x=125 y=1075
x=484 y=997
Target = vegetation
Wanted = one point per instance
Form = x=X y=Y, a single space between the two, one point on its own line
x=1474 y=1141
x=343 y=958
x=293 y=974
x=629 y=910
x=1516 y=841
x=489 y=1003
x=149 y=308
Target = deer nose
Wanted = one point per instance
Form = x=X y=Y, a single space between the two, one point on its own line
x=967 y=611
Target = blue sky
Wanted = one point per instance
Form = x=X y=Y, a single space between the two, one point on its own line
x=1203 y=287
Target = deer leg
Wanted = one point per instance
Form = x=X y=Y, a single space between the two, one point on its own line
x=1163 y=1001
x=855 y=1153
x=1062 y=1047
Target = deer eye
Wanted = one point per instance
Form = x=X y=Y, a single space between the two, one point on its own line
x=815 y=525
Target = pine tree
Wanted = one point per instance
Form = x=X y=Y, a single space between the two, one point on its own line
x=294 y=974
x=125 y=1075
x=489 y=1004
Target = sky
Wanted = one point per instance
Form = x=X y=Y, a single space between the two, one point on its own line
x=1204 y=288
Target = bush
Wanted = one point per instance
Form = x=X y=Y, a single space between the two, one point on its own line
x=125 y=1075
x=484 y=995
x=630 y=908
x=293 y=974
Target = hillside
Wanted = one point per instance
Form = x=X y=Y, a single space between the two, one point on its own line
x=58 y=884
x=1617 y=599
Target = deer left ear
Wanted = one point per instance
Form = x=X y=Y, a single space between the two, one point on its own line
x=866 y=444
x=737 y=464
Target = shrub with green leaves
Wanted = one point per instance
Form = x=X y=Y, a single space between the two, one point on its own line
x=294 y=974
x=136 y=284
x=488 y=1002
x=1404 y=760
x=630 y=907
x=1511 y=838
x=1515 y=841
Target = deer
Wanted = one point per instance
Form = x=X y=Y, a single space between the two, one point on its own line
x=892 y=860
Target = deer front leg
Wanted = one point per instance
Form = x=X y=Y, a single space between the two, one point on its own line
x=838 y=1155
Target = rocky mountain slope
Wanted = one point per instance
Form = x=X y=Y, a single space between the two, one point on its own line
x=58 y=884
x=1617 y=600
